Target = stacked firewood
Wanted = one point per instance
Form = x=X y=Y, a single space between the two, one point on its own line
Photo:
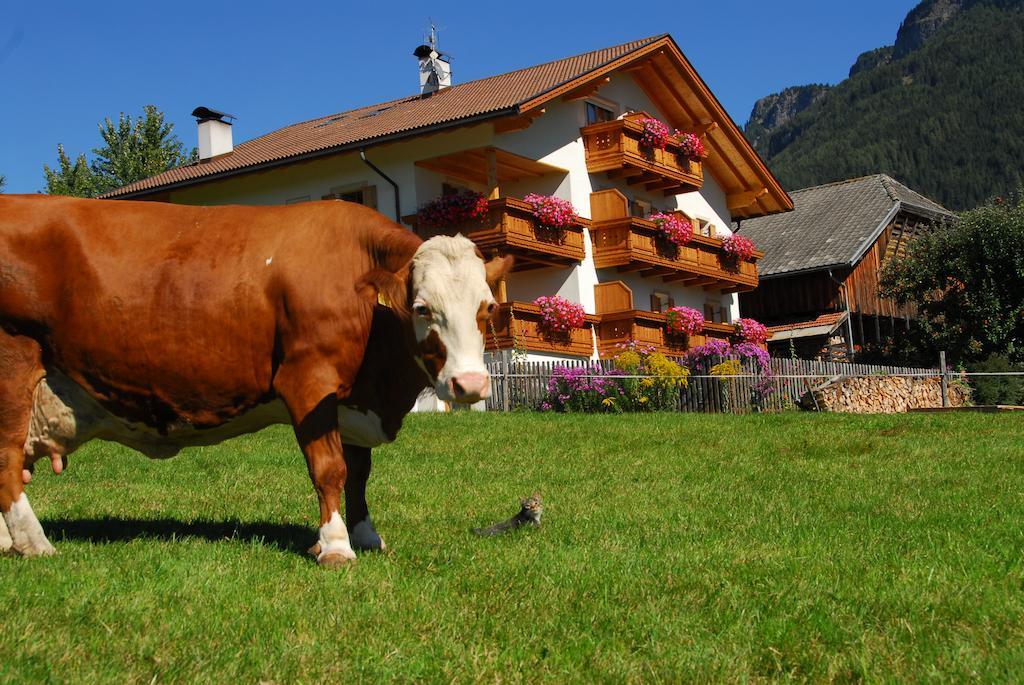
x=882 y=395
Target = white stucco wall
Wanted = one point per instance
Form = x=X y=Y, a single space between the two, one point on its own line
x=553 y=138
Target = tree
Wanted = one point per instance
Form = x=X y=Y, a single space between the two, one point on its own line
x=968 y=280
x=138 y=148
x=134 y=149
x=3 y=182
x=70 y=179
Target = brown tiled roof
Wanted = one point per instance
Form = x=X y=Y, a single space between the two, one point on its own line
x=827 y=319
x=453 y=106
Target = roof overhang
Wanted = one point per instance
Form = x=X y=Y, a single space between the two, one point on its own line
x=796 y=331
x=679 y=93
x=472 y=165
x=315 y=154
x=665 y=75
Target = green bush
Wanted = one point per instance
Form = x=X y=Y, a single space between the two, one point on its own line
x=997 y=389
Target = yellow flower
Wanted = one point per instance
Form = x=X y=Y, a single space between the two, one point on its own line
x=628 y=361
x=729 y=367
x=647 y=382
x=643 y=400
x=608 y=401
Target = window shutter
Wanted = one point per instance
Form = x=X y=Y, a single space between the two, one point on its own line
x=655 y=302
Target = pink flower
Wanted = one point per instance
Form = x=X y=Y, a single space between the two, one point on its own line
x=684 y=321
x=751 y=331
x=691 y=146
x=655 y=135
x=551 y=211
x=738 y=247
x=675 y=230
x=559 y=315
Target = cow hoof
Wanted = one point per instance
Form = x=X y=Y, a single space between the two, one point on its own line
x=364 y=537
x=314 y=550
x=335 y=560
x=36 y=549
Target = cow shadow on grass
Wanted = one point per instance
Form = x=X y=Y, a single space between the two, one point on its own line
x=284 y=536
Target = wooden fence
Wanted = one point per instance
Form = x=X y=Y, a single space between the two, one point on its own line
x=517 y=384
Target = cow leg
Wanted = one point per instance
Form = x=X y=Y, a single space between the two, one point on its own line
x=5 y=537
x=20 y=370
x=321 y=444
x=360 y=525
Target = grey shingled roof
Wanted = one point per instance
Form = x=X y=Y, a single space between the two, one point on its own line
x=833 y=225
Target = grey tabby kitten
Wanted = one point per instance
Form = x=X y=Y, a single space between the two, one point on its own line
x=529 y=515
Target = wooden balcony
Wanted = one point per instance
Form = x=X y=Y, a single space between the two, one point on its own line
x=648 y=328
x=510 y=228
x=613 y=147
x=517 y=324
x=634 y=244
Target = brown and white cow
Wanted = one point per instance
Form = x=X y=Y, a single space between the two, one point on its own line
x=164 y=326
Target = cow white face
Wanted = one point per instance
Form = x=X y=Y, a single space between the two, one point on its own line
x=451 y=301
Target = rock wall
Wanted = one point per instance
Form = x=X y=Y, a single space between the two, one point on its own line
x=882 y=395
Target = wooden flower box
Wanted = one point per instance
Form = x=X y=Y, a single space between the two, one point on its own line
x=614 y=147
x=511 y=228
x=517 y=324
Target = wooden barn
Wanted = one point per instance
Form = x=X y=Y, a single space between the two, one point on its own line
x=819 y=291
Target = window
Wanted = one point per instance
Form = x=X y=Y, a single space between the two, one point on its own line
x=661 y=302
x=715 y=312
x=596 y=113
x=363 y=195
x=639 y=208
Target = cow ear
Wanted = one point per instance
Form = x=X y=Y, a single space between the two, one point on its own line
x=390 y=289
x=497 y=269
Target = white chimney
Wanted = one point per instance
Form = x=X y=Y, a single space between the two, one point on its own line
x=214 y=133
x=435 y=70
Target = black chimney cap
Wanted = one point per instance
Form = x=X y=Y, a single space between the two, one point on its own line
x=206 y=114
x=423 y=51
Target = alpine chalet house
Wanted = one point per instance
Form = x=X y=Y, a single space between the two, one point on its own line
x=819 y=292
x=607 y=131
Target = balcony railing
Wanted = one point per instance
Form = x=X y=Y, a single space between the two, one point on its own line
x=648 y=328
x=517 y=325
x=614 y=147
x=634 y=244
x=511 y=228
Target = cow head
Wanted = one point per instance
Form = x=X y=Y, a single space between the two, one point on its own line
x=450 y=298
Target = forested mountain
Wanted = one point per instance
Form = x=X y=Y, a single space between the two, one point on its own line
x=942 y=110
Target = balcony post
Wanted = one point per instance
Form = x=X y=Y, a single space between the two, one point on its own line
x=493 y=191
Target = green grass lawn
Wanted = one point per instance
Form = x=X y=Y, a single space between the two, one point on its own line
x=674 y=548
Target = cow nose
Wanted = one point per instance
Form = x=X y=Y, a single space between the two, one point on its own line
x=470 y=387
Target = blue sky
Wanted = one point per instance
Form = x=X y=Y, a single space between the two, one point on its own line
x=64 y=66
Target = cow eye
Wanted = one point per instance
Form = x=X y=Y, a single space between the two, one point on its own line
x=421 y=310
x=491 y=307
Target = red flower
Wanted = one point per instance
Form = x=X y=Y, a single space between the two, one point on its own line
x=691 y=146
x=455 y=208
